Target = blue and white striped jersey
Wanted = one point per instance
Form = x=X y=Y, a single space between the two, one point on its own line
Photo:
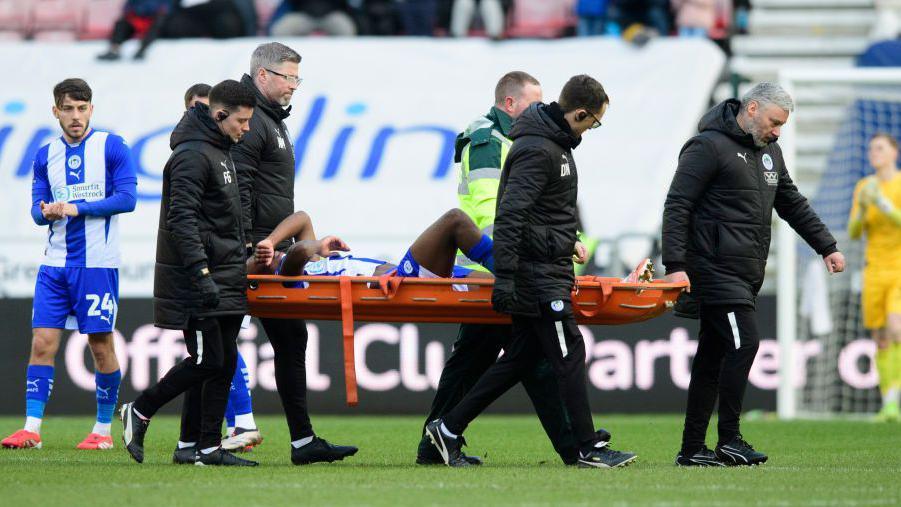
x=98 y=176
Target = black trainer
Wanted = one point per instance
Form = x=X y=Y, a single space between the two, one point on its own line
x=703 y=458
x=602 y=456
x=450 y=448
x=570 y=455
x=133 y=430
x=321 y=451
x=427 y=454
x=221 y=457
x=737 y=452
x=184 y=456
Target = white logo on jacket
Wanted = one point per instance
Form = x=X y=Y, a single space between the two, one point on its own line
x=743 y=156
x=280 y=140
x=564 y=167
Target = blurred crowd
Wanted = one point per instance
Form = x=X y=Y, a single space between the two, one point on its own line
x=635 y=20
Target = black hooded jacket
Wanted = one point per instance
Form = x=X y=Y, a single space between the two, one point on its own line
x=200 y=225
x=535 y=227
x=718 y=213
x=264 y=160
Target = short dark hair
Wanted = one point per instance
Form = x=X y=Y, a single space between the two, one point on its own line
x=196 y=90
x=582 y=92
x=512 y=84
x=888 y=137
x=75 y=88
x=230 y=95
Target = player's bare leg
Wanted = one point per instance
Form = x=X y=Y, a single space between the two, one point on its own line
x=38 y=384
x=107 y=378
x=436 y=248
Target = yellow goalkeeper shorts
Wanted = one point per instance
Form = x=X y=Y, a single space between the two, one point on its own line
x=881 y=296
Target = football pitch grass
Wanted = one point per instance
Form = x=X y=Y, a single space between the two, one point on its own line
x=811 y=463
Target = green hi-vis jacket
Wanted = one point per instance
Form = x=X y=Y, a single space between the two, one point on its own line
x=481 y=150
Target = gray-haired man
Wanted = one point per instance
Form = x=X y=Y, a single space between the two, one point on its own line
x=716 y=234
x=264 y=161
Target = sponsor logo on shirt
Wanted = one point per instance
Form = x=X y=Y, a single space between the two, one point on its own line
x=79 y=191
x=771 y=176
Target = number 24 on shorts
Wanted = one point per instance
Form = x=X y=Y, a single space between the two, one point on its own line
x=106 y=304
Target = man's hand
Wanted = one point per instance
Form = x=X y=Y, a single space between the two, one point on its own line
x=264 y=252
x=503 y=296
x=580 y=253
x=870 y=192
x=52 y=211
x=835 y=262
x=678 y=276
x=209 y=291
x=69 y=209
x=330 y=244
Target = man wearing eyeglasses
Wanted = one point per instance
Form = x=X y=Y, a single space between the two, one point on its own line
x=265 y=167
x=534 y=245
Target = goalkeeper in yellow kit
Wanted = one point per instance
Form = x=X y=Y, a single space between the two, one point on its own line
x=876 y=211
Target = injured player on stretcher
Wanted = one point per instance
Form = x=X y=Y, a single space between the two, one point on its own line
x=431 y=255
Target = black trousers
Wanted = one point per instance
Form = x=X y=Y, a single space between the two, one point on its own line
x=553 y=336
x=475 y=350
x=727 y=344
x=204 y=376
x=289 y=343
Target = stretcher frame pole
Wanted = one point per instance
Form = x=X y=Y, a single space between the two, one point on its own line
x=347 y=331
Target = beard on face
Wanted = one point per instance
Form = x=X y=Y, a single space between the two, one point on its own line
x=68 y=129
x=758 y=133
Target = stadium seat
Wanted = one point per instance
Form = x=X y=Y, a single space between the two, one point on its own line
x=540 y=18
x=14 y=19
x=100 y=15
x=57 y=15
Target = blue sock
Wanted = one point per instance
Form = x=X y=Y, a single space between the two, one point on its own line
x=38 y=385
x=230 y=411
x=483 y=252
x=107 y=394
x=239 y=396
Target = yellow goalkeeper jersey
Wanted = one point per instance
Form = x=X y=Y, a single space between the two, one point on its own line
x=883 y=234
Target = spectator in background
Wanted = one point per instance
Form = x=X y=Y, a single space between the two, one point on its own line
x=888 y=20
x=742 y=10
x=418 y=16
x=199 y=92
x=219 y=19
x=492 y=13
x=694 y=18
x=307 y=16
x=248 y=12
x=140 y=18
x=592 y=17
x=376 y=17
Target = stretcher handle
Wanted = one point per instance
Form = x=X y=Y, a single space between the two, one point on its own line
x=603 y=296
x=347 y=331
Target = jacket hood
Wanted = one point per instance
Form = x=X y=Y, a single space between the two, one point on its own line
x=545 y=120
x=272 y=109
x=198 y=125
x=721 y=118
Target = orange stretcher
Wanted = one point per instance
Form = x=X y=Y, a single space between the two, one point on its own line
x=595 y=300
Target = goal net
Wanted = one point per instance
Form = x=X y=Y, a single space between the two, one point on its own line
x=827 y=358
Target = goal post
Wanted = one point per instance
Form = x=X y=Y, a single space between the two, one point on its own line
x=836 y=112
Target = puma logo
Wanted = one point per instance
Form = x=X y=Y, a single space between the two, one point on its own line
x=105 y=318
x=104 y=392
x=31 y=386
x=743 y=156
x=75 y=174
